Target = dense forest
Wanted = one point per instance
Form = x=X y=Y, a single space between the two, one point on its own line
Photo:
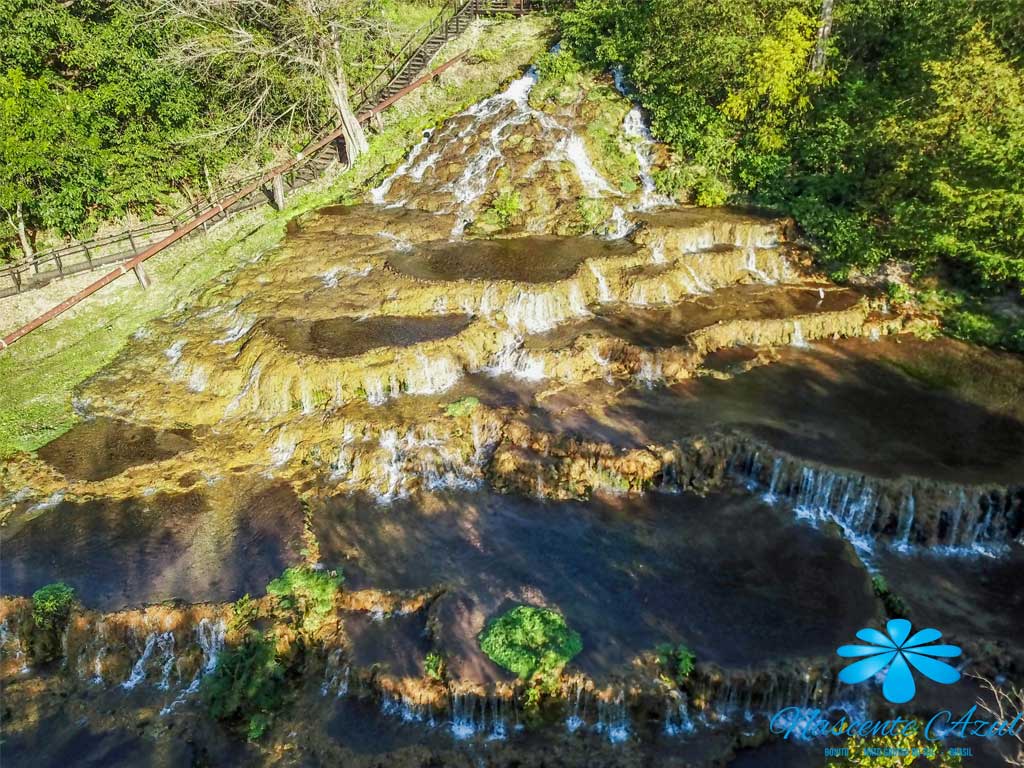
x=892 y=130
x=112 y=108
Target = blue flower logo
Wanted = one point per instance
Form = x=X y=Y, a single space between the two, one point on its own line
x=899 y=651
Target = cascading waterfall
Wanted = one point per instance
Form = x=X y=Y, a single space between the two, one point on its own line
x=517 y=362
x=604 y=293
x=472 y=715
x=379 y=193
x=579 y=696
x=650 y=374
x=677 y=716
x=574 y=150
x=620 y=226
x=160 y=643
x=11 y=639
x=405 y=709
x=635 y=127
x=283 y=449
x=337 y=677
x=798 y=340
x=613 y=721
x=964 y=525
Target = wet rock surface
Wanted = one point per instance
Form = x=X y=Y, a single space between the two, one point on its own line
x=512 y=376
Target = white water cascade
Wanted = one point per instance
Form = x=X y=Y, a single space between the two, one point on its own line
x=636 y=129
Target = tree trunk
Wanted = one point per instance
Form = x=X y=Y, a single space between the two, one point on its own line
x=355 y=138
x=23 y=238
x=824 y=33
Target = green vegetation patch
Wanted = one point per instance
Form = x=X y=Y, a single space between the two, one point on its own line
x=307 y=593
x=676 y=661
x=530 y=641
x=900 y=139
x=434 y=665
x=462 y=407
x=51 y=605
x=895 y=606
x=247 y=684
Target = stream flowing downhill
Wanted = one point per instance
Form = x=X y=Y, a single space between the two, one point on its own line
x=662 y=424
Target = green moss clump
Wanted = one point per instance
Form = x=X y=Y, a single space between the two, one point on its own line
x=895 y=606
x=51 y=605
x=530 y=642
x=307 y=593
x=462 y=407
x=593 y=213
x=503 y=211
x=247 y=685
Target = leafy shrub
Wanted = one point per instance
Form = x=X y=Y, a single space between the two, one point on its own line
x=895 y=607
x=244 y=612
x=308 y=593
x=899 y=294
x=462 y=407
x=51 y=605
x=246 y=685
x=530 y=642
x=434 y=665
x=676 y=662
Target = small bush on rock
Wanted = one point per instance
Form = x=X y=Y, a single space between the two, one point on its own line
x=530 y=642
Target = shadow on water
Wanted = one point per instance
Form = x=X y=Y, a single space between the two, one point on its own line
x=118 y=553
x=400 y=642
x=59 y=742
x=737 y=581
x=977 y=598
x=832 y=403
x=104 y=447
x=538 y=259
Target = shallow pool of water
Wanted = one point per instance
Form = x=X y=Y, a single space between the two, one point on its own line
x=522 y=259
x=738 y=581
x=103 y=447
x=186 y=546
x=349 y=336
x=833 y=402
x=654 y=326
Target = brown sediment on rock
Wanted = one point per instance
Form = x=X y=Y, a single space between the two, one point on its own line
x=171 y=645
x=907 y=510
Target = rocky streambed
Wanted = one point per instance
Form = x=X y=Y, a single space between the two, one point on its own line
x=656 y=420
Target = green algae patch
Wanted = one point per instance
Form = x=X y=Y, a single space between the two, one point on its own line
x=529 y=642
x=462 y=407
